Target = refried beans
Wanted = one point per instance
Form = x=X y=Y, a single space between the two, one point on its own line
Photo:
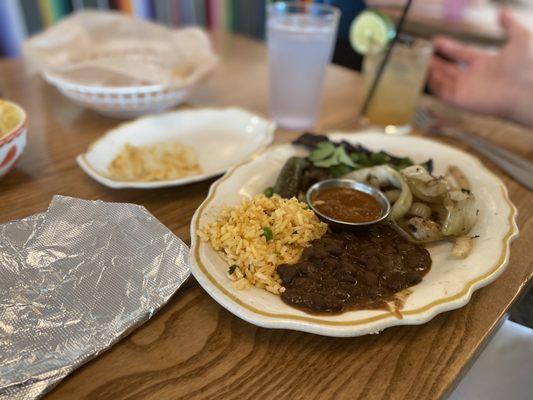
x=350 y=270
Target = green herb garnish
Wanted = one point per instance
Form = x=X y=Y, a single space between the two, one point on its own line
x=379 y=158
x=269 y=191
x=340 y=170
x=326 y=163
x=343 y=157
x=323 y=150
x=403 y=163
x=232 y=269
x=267 y=233
x=337 y=157
x=340 y=163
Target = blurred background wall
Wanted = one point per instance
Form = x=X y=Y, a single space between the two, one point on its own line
x=471 y=20
x=20 y=18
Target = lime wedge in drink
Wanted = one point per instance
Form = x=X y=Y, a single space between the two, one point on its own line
x=371 y=31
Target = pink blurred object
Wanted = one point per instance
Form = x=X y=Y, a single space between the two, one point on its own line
x=454 y=9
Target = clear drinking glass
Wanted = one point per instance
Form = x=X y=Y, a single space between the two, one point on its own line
x=398 y=91
x=300 y=44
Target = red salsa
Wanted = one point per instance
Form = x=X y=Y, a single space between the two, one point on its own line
x=346 y=204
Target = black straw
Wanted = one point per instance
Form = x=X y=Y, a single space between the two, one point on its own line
x=385 y=60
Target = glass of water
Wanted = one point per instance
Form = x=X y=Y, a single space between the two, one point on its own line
x=301 y=38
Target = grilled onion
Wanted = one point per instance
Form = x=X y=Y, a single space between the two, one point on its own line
x=461 y=212
x=424 y=230
x=427 y=208
x=463 y=246
x=419 y=210
x=425 y=186
x=385 y=176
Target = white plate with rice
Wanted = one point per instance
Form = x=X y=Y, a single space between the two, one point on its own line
x=449 y=284
x=213 y=139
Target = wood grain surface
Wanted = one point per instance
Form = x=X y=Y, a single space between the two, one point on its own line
x=193 y=348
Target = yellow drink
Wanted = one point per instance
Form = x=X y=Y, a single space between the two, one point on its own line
x=400 y=86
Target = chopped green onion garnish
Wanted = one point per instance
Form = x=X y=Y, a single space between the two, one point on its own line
x=267 y=233
x=269 y=191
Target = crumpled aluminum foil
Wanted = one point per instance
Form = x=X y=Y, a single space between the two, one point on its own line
x=73 y=281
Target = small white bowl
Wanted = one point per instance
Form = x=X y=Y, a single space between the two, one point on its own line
x=12 y=145
x=221 y=137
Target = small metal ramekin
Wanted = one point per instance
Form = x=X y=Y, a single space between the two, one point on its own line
x=348 y=183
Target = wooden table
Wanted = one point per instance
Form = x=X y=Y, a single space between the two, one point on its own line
x=195 y=349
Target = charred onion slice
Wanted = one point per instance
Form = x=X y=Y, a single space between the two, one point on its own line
x=461 y=212
x=425 y=186
x=385 y=176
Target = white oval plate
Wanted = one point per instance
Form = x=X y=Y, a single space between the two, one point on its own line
x=221 y=137
x=449 y=284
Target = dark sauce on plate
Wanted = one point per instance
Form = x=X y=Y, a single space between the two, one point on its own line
x=353 y=270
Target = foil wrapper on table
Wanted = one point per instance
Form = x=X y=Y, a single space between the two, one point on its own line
x=73 y=281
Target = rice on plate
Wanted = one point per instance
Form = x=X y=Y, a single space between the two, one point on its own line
x=257 y=235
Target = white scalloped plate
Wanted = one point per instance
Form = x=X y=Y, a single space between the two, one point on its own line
x=221 y=137
x=449 y=284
